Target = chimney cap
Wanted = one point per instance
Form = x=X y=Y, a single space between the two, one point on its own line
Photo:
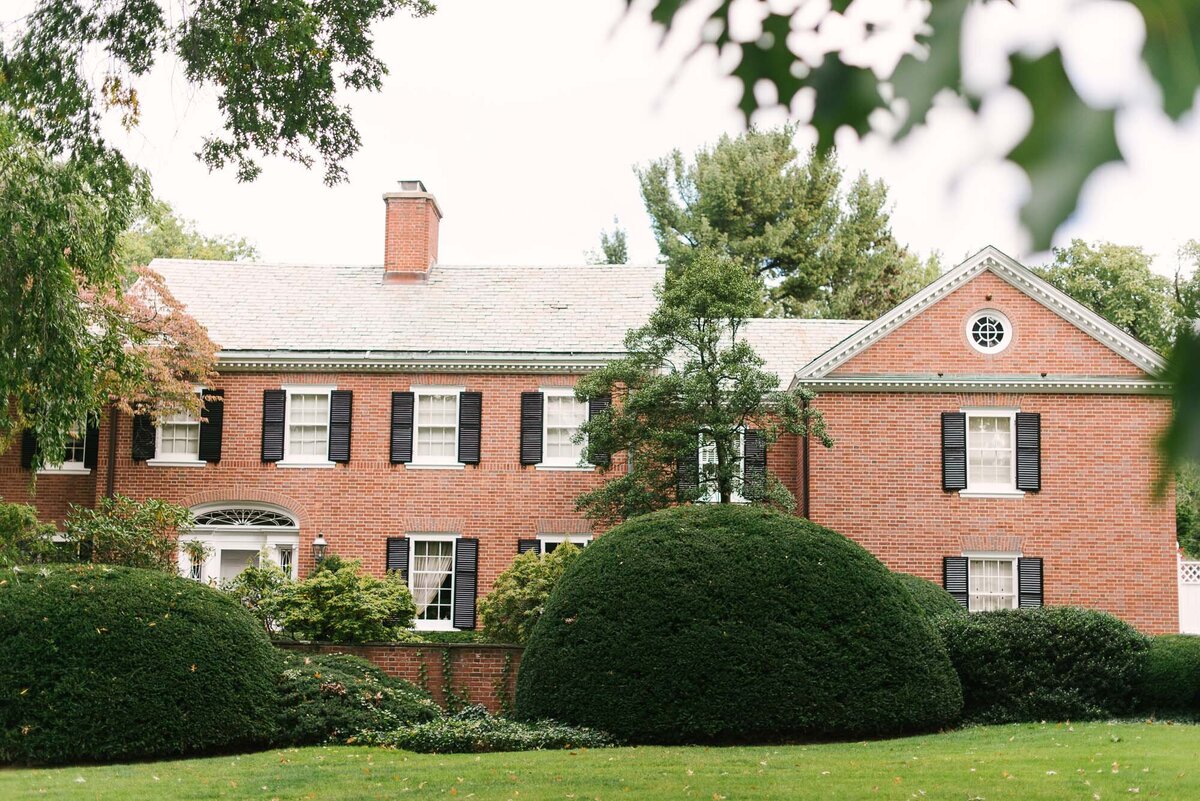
x=412 y=185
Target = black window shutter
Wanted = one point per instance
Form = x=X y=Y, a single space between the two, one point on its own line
x=1029 y=451
x=1029 y=583
x=91 y=446
x=524 y=546
x=466 y=560
x=402 y=427
x=532 y=408
x=143 y=436
x=954 y=451
x=397 y=556
x=687 y=475
x=754 y=464
x=28 y=449
x=954 y=578
x=274 y=403
x=599 y=405
x=212 y=426
x=470 y=426
x=341 y=402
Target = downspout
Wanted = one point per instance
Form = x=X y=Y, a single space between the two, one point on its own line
x=806 y=508
x=111 y=479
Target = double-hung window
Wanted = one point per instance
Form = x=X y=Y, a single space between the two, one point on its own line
x=306 y=419
x=74 y=454
x=562 y=420
x=992 y=583
x=431 y=581
x=549 y=542
x=435 y=435
x=991 y=451
x=708 y=470
x=178 y=439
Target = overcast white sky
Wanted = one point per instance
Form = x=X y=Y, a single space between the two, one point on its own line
x=525 y=118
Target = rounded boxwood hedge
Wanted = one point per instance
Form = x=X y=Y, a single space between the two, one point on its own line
x=731 y=623
x=105 y=663
x=1171 y=679
x=1054 y=663
x=932 y=599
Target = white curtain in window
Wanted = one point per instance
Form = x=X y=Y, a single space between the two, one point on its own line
x=429 y=579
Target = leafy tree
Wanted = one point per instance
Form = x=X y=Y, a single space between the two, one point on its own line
x=1117 y=282
x=1187 y=509
x=613 y=247
x=690 y=375
x=123 y=531
x=162 y=234
x=69 y=341
x=815 y=250
x=340 y=603
x=519 y=593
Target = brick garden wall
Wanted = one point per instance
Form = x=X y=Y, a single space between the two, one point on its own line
x=479 y=674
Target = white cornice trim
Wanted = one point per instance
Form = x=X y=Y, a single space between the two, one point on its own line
x=1009 y=270
x=1083 y=385
x=390 y=362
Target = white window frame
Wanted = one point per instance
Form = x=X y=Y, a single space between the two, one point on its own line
x=562 y=464
x=711 y=494
x=73 y=467
x=304 y=461
x=578 y=540
x=1008 y=490
x=432 y=464
x=1002 y=318
x=413 y=539
x=994 y=556
x=176 y=460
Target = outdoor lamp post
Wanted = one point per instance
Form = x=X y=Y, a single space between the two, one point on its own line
x=319 y=545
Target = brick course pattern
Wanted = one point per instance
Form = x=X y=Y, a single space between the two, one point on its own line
x=479 y=674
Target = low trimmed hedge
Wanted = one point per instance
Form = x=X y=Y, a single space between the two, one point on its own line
x=104 y=663
x=1054 y=663
x=932 y=599
x=474 y=731
x=332 y=697
x=1171 y=680
x=720 y=623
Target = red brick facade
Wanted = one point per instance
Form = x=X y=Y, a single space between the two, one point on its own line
x=1106 y=540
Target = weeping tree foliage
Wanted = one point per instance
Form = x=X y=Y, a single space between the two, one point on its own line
x=71 y=339
x=815 y=249
x=689 y=376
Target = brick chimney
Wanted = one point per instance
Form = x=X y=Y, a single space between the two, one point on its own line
x=410 y=243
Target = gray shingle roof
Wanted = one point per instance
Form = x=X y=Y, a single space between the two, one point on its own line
x=261 y=307
x=459 y=309
x=787 y=344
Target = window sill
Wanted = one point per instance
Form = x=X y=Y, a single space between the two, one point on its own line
x=566 y=468
x=65 y=471
x=997 y=493
x=175 y=463
x=325 y=464
x=433 y=625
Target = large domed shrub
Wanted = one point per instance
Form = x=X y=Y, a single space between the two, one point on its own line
x=111 y=663
x=931 y=598
x=723 y=623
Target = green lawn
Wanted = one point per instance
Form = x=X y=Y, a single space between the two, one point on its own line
x=1028 y=762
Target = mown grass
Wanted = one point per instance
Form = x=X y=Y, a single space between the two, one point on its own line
x=1022 y=762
